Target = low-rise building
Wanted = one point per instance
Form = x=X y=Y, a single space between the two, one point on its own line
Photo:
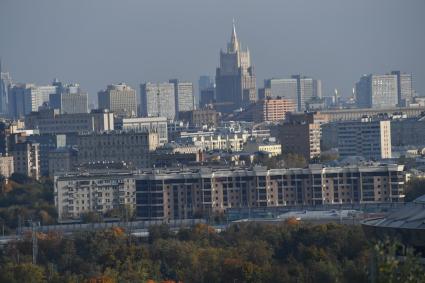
x=145 y=124
x=201 y=117
x=133 y=148
x=50 y=121
x=272 y=149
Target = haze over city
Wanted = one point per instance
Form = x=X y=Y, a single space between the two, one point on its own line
x=98 y=42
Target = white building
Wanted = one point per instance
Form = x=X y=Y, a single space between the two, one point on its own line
x=120 y=99
x=157 y=100
x=146 y=124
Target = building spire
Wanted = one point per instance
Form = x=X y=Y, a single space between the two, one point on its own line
x=234 y=43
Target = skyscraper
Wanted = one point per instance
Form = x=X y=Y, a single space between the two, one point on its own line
x=404 y=88
x=183 y=95
x=377 y=91
x=5 y=83
x=235 y=79
x=69 y=98
x=120 y=99
x=157 y=100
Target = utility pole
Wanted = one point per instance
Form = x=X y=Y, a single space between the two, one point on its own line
x=34 y=241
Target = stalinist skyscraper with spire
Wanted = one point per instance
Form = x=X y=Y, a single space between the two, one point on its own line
x=235 y=79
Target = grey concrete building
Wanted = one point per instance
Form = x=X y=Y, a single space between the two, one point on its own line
x=26 y=98
x=132 y=148
x=120 y=99
x=50 y=121
x=5 y=84
x=183 y=95
x=405 y=92
x=158 y=100
x=145 y=124
x=68 y=98
x=184 y=193
x=367 y=138
x=235 y=78
x=377 y=91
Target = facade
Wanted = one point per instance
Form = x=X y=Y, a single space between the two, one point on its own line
x=405 y=93
x=6 y=166
x=146 y=124
x=235 y=78
x=207 y=96
x=78 y=194
x=197 y=192
x=120 y=99
x=26 y=159
x=229 y=142
x=26 y=98
x=377 y=91
x=272 y=109
x=157 y=100
x=301 y=138
x=61 y=160
x=367 y=138
x=132 y=148
x=355 y=114
x=201 y=117
x=299 y=88
x=50 y=121
x=68 y=98
x=47 y=143
x=301 y=134
x=183 y=95
x=272 y=149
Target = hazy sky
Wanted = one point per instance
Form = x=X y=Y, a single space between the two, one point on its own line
x=97 y=42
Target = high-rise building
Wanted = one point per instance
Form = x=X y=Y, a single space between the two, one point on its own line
x=69 y=98
x=120 y=99
x=205 y=82
x=26 y=98
x=377 y=91
x=5 y=84
x=299 y=88
x=405 y=91
x=235 y=79
x=157 y=100
x=183 y=95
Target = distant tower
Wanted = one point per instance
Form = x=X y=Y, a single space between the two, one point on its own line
x=235 y=79
x=5 y=84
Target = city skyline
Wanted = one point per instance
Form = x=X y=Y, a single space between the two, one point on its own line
x=299 y=40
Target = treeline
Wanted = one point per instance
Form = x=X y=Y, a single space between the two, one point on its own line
x=243 y=253
x=23 y=199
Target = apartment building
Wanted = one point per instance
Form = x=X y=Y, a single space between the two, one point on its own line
x=193 y=192
x=100 y=192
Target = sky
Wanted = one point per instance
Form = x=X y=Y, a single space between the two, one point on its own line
x=99 y=42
